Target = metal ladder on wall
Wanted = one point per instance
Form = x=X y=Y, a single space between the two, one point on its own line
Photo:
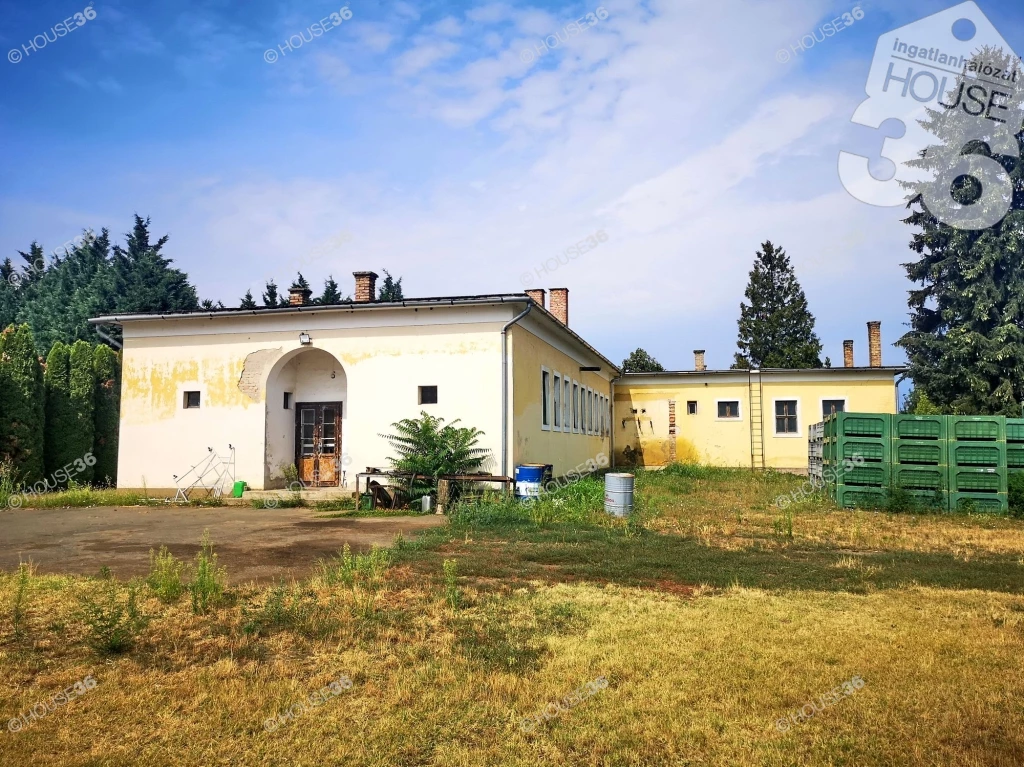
x=756 y=399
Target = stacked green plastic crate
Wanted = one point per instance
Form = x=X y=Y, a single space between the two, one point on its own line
x=920 y=458
x=857 y=454
x=977 y=463
x=1014 y=445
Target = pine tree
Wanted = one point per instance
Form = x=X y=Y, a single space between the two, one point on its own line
x=270 y=297
x=21 y=403
x=107 y=367
x=58 y=303
x=144 y=278
x=391 y=289
x=331 y=294
x=34 y=266
x=58 y=451
x=82 y=381
x=776 y=329
x=966 y=341
x=247 y=301
x=639 y=361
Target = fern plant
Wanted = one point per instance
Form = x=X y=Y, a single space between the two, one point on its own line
x=429 y=447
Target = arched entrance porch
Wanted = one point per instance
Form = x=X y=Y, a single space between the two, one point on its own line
x=306 y=403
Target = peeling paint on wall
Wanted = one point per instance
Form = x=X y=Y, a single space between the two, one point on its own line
x=251 y=380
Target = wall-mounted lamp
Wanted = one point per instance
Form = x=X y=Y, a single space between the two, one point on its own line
x=304 y=339
x=332 y=374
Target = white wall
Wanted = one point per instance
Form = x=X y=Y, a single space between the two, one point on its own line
x=383 y=359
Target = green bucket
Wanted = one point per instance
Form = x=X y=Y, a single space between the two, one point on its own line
x=237 y=489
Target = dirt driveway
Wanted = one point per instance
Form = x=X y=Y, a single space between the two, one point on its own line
x=254 y=544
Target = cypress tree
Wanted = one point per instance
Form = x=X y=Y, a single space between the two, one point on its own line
x=108 y=406
x=966 y=341
x=776 y=329
x=82 y=381
x=21 y=403
x=58 y=449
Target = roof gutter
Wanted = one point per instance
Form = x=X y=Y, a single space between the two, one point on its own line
x=504 y=386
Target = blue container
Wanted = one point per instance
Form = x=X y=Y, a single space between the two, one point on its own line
x=530 y=479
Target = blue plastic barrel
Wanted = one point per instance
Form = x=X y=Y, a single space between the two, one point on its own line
x=530 y=479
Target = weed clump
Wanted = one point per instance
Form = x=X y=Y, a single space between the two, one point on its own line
x=207 y=586
x=112 y=616
x=165 y=572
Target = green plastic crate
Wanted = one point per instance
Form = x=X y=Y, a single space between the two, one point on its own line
x=919 y=427
x=977 y=428
x=1014 y=457
x=877 y=425
x=984 y=503
x=861 y=497
x=931 y=500
x=866 y=475
x=919 y=452
x=871 y=450
x=929 y=478
x=965 y=480
x=978 y=454
x=1015 y=429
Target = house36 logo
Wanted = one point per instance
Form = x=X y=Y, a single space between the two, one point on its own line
x=952 y=81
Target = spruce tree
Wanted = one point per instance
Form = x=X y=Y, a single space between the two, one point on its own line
x=247 y=301
x=966 y=341
x=145 y=280
x=331 y=294
x=82 y=381
x=390 y=289
x=58 y=450
x=776 y=329
x=270 y=297
x=34 y=266
x=21 y=403
x=107 y=367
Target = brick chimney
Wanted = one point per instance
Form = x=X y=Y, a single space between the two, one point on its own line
x=537 y=296
x=559 y=305
x=366 y=287
x=298 y=296
x=698 y=360
x=848 y=353
x=875 y=343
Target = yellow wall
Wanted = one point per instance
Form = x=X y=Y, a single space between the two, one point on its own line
x=531 y=443
x=704 y=438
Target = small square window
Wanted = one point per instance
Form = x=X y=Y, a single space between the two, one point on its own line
x=729 y=409
x=428 y=395
x=287 y=400
x=785 y=416
x=831 y=406
x=691 y=407
x=191 y=399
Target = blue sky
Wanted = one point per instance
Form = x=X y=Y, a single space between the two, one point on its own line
x=422 y=138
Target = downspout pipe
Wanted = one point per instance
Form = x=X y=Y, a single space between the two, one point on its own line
x=504 y=386
x=900 y=379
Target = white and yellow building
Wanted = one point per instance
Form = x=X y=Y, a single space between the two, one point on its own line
x=318 y=387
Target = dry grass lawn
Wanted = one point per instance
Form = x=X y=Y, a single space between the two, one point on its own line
x=710 y=623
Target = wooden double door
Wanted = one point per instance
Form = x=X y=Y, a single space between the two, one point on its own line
x=318 y=443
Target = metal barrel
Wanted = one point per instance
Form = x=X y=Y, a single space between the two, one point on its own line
x=618 y=494
x=530 y=479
